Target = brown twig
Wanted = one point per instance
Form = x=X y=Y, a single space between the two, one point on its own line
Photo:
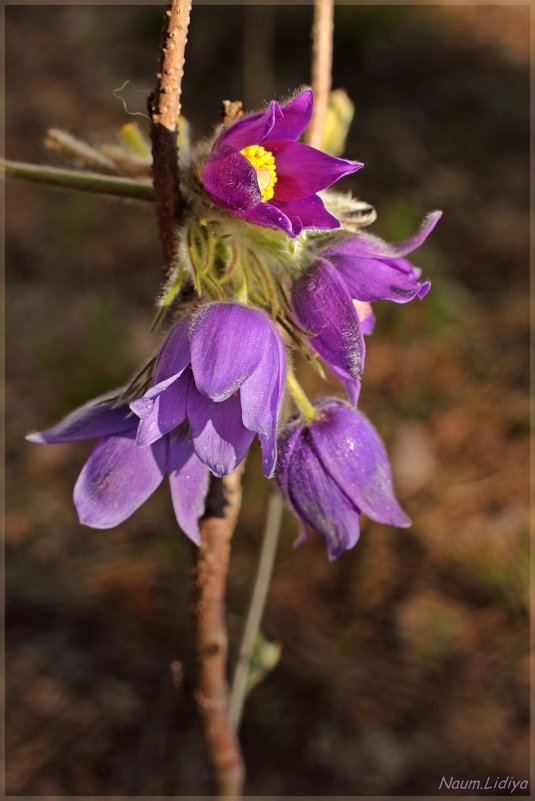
x=212 y=691
x=165 y=111
x=322 y=57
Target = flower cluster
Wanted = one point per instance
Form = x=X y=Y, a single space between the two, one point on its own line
x=268 y=275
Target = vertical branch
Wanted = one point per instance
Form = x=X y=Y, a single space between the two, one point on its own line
x=212 y=692
x=322 y=58
x=165 y=111
x=256 y=607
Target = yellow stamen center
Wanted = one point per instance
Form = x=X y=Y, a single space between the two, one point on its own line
x=263 y=162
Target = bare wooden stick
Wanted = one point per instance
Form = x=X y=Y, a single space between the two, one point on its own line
x=256 y=607
x=165 y=111
x=212 y=692
x=322 y=58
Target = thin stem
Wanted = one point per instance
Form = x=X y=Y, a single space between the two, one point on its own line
x=75 y=179
x=322 y=58
x=211 y=690
x=296 y=391
x=165 y=111
x=256 y=608
x=76 y=150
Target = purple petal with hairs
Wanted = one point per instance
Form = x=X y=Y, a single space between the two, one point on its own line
x=231 y=181
x=351 y=451
x=309 y=212
x=251 y=129
x=117 y=479
x=319 y=501
x=188 y=481
x=296 y=114
x=227 y=344
x=162 y=410
x=269 y=216
x=302 y=170
x=219 y=437
x=97 y=418
x=175 y=354
x=261 y=399
x=324 y=307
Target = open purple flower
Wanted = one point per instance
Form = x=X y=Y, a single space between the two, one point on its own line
x=333 y=468
x=223 y=370
x=362 y=268
x=119 y=477
x=259 y=172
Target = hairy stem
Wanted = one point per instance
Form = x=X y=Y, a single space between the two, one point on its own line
x=256 y=608
x=211 y=647
x=298 y=395
x=165 y=111
x=322 y=57
x=75 y=179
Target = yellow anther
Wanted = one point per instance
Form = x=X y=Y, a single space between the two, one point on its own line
x=263 y=162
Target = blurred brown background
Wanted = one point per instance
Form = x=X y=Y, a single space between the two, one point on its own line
x=405 y=660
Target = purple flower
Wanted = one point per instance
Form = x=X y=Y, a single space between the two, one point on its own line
x=223 y=370
x=259 y=172
x=333 y=468
x=119 y=476
x=359 y=268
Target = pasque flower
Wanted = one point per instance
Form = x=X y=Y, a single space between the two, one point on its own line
x=331 y=469
x=259 y=172
x=119 y=476
x=219 y=380
x=361 y=268
x=222 y=369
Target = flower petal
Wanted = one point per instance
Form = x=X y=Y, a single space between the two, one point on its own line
x=220 y=439
x=351 y=385
x=188 y=480
x=351 y=451
x=261 y=399
x=251 y=129
x=324 y=307
x=288 y=439
x=296 y=115
x=117 y=478
x=366 y=316
x=319 y=501
x=370 y=279
x=96 y=418
x=308 y=212
x=161 y=410
x=270 y=216
x=174 y=356
x=302 y=170
x=370 y=245
x=231 y=180
x=227 y=343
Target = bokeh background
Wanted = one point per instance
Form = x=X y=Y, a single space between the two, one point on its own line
x=407 y=659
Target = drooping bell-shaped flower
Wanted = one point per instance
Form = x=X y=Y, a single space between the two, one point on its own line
x=332 y=299
x=223 y=370
x=373 y=269
x=331 y=469
x=259 y=172
x=119 y=476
